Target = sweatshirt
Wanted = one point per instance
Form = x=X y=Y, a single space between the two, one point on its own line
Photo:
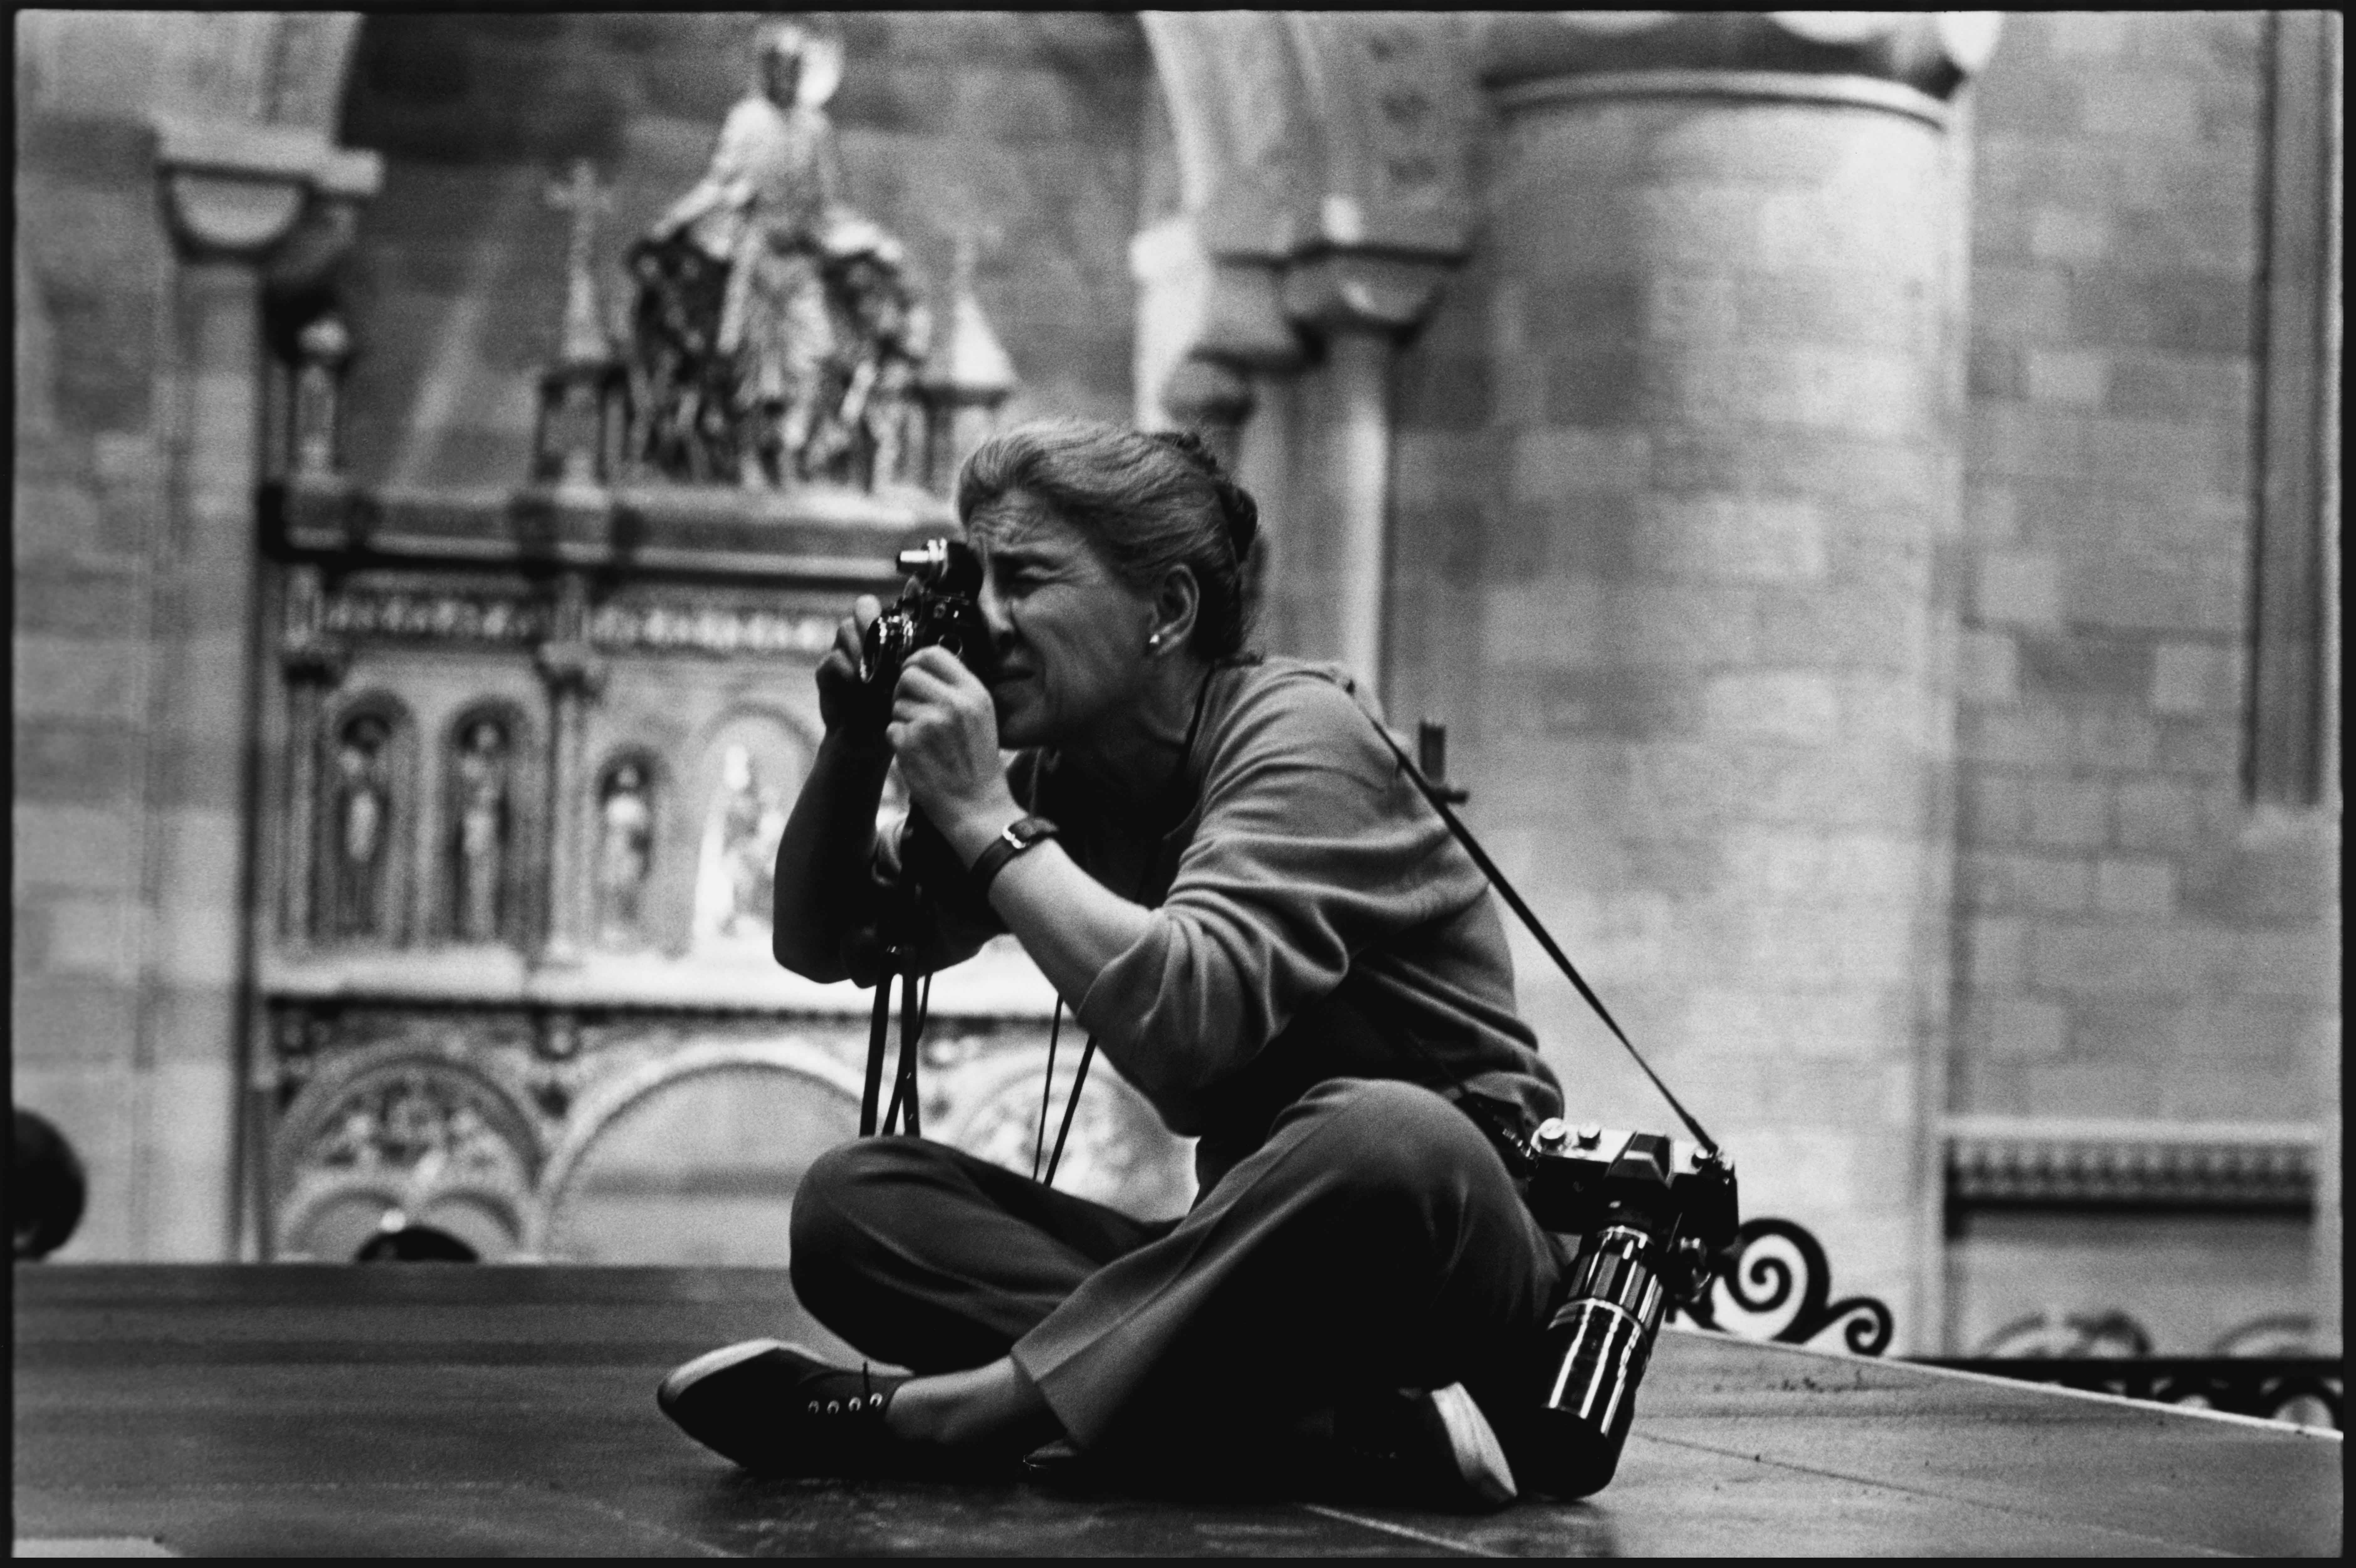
x=1312 y=917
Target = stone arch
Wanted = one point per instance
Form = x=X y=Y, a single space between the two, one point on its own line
x=409 y=1127
x=824 y=1090
x=512 y=900
x=371 y=901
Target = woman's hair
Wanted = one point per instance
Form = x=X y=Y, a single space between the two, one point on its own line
x=1146 y=502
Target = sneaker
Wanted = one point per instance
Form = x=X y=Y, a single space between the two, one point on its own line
x=1435 y=1448
x=776 y=1409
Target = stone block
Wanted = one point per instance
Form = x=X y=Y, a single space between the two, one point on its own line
x=2017 y=442
x=83 y=847
x=1595 y=386
x=2125 y=1029
x=1727 y=539
x=2028 y=738
x=2116 y=957
x=188 y=1141
x=2194 y=457
x=1993 y=807
x=2086 y=35
x=2070 y=377
x=1997 y=952
x=1681 y=625
x=2092 y=1091
x=1552 y=625
x=2169 y=596
x=2014 y=588
x=2260 y=872
x=1988 y=670
x=56 y=519
x=80 y=1020
x=1794 y=868
x=2068 y=667
x=2183 y=388
x=2069 y=236
x=1994 y=370
x=2138 y=887
x=2019 y=304
x=2113 y=738
x=2066 y=813
x=2231 y=1094
x=1991 y=512
x=2189 y=312
x=1629 y=702
x=2017 y=1027
x=2154 y=814
x=2144 y=107
x=2299 y=963
x=2244 y=1032
x=2199 y=748
x=2189 y=677
x=80 y=681
x=1552 y=463
x=96 y=938
x=1839 y=625
x=2029 y=883
x=84 y=765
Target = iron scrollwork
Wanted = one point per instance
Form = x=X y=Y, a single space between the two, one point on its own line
x=1760 y=1282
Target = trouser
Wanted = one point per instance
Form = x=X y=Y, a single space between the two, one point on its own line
x=1374 y=1241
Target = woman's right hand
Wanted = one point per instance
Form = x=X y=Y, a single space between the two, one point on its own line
x=844 y=702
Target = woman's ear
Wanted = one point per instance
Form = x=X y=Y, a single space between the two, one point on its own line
x=1175 y=604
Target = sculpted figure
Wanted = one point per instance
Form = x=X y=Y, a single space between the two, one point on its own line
x=362 y=814
x=777 y=335
x=625 y=853
x=482 y=831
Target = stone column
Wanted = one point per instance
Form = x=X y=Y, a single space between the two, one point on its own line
x=1718 y=713
x=235 y=196
x=574 y=675
x=1358 y=305
x=313 y=663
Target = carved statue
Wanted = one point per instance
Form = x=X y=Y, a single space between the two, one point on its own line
x=771 y=327
x=736 y=882
x=625 y=853
x=482 y=831
x=362 y=817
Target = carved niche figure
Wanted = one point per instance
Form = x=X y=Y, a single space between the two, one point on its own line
x=482 y=832
x=761 y=299
x=362 y=823
x=624 y=853
x=735 y=883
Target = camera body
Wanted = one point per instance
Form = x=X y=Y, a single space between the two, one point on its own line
x=1654 y=1215
x=940 y=606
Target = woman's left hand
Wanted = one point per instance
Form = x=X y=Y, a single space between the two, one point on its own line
x=944 y=730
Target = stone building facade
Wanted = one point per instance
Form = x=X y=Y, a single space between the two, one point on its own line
x=1861 y=493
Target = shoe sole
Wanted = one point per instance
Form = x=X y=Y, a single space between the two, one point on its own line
x=1473 y=1445
x=675 y=1386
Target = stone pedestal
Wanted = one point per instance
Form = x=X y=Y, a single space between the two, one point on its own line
x=1718 y=714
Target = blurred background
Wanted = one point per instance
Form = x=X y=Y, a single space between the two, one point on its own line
x=1859 y=490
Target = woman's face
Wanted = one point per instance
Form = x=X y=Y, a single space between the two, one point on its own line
x=1071 y=637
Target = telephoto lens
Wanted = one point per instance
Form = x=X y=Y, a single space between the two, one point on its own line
x=1596 y=1349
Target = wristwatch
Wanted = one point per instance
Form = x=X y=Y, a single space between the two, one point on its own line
x=1018 y=837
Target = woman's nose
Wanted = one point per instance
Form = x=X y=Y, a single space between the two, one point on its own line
x=993 y=611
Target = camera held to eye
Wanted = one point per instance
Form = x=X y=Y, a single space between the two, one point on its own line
x=940 y=606
x=1653 y=1215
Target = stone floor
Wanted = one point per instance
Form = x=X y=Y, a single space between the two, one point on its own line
x=425 y=1409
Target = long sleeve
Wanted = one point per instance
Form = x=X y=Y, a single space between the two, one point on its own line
x=1310 y=848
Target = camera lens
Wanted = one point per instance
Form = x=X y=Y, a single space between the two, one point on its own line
x=1596 y=1350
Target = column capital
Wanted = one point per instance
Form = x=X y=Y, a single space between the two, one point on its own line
x=240 y=191
x=1341 y=289
x=1928 y=52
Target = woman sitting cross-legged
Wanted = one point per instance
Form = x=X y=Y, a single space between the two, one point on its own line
x=1270 y=934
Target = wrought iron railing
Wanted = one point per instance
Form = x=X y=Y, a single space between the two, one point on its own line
x=1776 y=1284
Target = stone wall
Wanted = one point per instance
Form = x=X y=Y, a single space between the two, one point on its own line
x=1028 y=127
x=2134 y=938
x=91 y=547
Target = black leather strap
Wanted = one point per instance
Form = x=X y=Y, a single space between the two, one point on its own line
x=1017 y=837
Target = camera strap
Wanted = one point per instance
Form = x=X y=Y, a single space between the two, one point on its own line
x=1528 y=918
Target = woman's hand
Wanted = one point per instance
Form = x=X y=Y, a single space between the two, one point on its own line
x=945 y=733
x=844 y=702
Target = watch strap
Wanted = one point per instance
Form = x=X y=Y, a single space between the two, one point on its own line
x=1017 y=837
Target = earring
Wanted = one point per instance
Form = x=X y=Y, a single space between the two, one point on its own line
x=1155 y=641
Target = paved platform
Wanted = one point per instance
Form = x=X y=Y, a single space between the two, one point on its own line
x=441 y=1409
